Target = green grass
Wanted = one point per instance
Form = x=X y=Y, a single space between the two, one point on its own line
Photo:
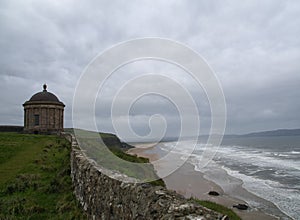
x=218 y=208
x=17 y=150
x=35 y=178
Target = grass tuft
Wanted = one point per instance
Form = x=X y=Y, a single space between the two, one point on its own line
x=218 y=208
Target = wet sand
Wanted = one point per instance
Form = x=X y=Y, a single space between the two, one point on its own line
x=190 y=183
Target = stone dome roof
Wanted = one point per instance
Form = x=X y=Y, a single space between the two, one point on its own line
x=44 y=96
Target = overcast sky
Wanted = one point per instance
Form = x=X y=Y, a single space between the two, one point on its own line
x=253 y=47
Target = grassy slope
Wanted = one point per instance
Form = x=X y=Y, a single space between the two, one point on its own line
x=35 y=178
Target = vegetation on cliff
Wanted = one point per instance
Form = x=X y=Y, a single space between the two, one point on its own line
x=35 y=178
x=218 y=208
x=110 y=153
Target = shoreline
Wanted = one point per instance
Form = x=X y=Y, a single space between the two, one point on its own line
x=191 y=183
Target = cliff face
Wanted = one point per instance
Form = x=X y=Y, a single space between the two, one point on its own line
x=113 y=141
x=103 y=197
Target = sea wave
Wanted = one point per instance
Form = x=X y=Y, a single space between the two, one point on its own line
x=273 y=176
x=287 y=200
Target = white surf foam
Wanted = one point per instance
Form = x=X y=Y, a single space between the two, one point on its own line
x=287 y=200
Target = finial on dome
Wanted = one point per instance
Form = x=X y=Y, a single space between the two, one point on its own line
x=45 y=87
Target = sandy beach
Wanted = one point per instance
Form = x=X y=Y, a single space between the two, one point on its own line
x=190 y=183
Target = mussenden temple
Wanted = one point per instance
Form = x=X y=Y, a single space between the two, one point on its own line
x=43 y=113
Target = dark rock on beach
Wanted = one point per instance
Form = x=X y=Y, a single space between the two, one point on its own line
x=241 y=206
x=213 y=193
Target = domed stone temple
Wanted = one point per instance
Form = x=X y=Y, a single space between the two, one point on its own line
x=43 y=113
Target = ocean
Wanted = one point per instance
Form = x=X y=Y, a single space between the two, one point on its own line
x=268 y=167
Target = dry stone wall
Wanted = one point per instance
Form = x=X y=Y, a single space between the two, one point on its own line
x=103 y=197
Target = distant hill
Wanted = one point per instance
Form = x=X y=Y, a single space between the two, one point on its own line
x=111 y=139
x=272 y=133
x=279 y=132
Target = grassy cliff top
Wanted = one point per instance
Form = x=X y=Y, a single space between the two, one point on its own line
x=35 y=178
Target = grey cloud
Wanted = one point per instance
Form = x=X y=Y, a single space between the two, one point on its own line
x=253 y=47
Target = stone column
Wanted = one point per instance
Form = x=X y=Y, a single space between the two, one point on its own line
x=24 y=118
